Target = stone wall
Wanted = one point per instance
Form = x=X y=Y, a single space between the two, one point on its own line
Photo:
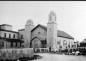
x=16 y=53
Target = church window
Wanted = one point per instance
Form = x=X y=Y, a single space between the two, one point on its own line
x=38 y=32
x=5 y=35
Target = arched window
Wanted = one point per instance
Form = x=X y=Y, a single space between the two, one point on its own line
x=39 y=32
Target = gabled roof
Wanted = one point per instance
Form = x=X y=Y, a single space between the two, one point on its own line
x=64 y=34
x=44 y=27
x=59 y=33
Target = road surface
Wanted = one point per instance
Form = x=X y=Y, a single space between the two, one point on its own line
x=58 y=57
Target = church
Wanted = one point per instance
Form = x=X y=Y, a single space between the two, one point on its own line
x=49 y=36
x=36 y=37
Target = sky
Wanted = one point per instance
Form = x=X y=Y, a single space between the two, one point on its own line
x=71 y=15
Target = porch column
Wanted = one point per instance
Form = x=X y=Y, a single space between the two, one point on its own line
x=14 y=44
x=18 y=44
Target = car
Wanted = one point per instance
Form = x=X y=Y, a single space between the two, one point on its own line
x=70 y=53
x=77 y=53
x=73 y=53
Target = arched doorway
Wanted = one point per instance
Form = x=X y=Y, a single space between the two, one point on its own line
x=36 y=44
x=39 y=45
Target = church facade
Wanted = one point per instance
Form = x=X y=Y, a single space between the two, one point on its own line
x=36 y=37
x=49 y=36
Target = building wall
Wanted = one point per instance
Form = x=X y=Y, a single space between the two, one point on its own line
x=4 y=44
x=25 y=36
x=28 y=27
x=52 y=36
x=64 y=42
x=8 y=44
x=22 y=35
x=2 y=34
x=43 y=35
x=52 y=32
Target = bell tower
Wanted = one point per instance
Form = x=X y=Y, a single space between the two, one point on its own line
x=28 y=27
x=52 y=32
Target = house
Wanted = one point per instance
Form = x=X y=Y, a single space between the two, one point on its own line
x=8 y=37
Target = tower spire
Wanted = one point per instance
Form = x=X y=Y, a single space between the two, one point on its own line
x=52 y=16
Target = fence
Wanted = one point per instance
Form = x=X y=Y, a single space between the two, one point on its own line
x=16 y=53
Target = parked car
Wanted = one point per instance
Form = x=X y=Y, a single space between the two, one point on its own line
x=77 y=53
x=73 y=53
x=70 y=54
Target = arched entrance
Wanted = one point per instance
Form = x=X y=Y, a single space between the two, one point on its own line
x=36 y=43
x=39 y=45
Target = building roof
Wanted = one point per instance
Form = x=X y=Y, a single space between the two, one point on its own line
x=8 y=31
x=59 y=33
x=44 y=27
x=6 y=25
x=21 y=29
x=84 y=41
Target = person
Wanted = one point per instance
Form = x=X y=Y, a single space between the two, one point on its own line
x=49 y=49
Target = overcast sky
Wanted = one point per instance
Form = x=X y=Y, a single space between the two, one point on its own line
x=71 y=15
